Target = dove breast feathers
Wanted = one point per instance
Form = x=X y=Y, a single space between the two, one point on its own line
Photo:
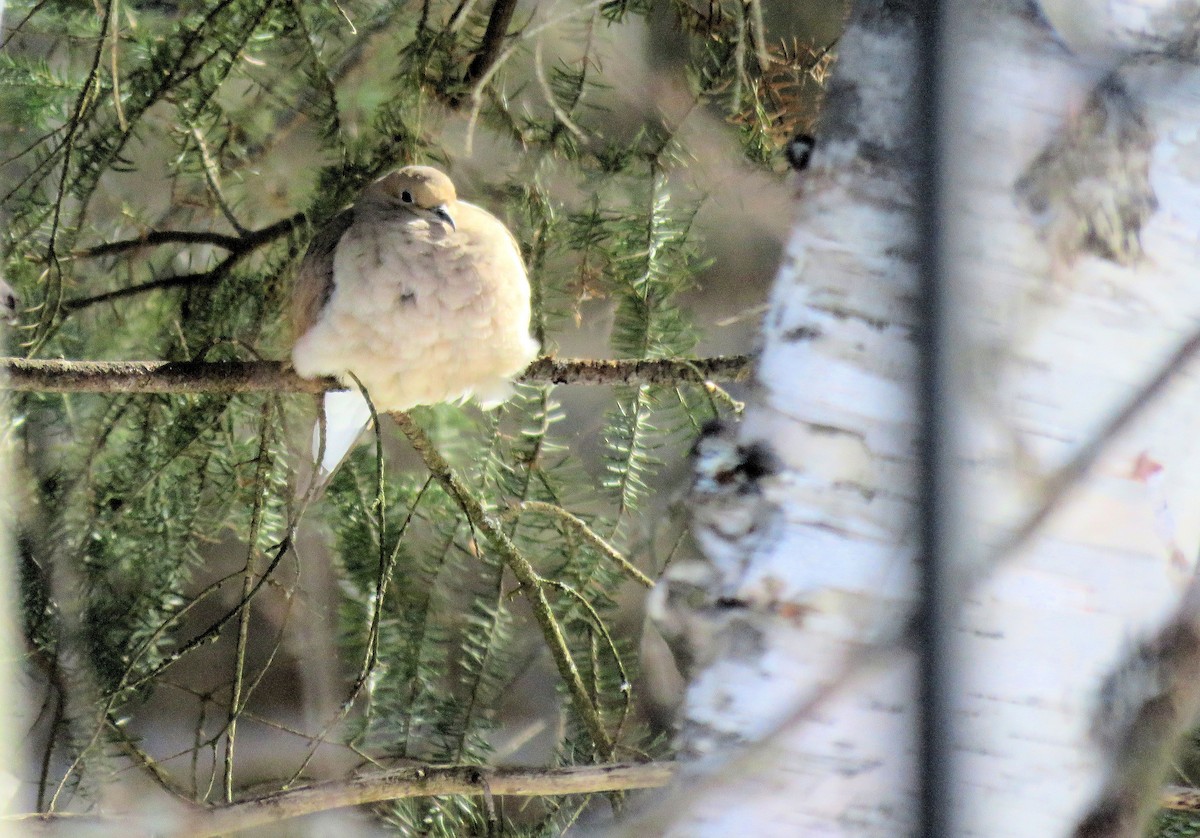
x=420 y=312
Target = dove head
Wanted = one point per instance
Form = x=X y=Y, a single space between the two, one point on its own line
x=421 y=190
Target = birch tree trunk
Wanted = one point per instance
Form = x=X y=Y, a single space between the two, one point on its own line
x=1072 y=239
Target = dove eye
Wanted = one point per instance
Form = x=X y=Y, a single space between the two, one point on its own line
x=406 y=196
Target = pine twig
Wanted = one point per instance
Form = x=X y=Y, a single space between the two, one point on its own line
x=61 y=376
x=591 y=536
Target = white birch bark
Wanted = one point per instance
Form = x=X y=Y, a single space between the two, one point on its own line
x=1073 y=240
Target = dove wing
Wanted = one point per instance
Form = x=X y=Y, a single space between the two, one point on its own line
x=314 y=277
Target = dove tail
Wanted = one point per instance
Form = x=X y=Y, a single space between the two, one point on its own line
x=347 y=414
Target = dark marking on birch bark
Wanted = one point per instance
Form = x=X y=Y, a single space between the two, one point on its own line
x=743 y=641
x=799 y=151
x=1089 y=190
x=719 y=461
x=841 y=119
x=1102 y=822
x=801 y=334
x=847 y=314
x=834 y=430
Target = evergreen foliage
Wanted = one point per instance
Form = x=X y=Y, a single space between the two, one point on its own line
x=1176 y=825
x=123 y=118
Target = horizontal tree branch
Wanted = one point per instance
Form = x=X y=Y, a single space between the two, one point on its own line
x=239 y=247
x=418 y=782
x=378 y=787
x=58 y=376
x=152 y=238
x=232 y=243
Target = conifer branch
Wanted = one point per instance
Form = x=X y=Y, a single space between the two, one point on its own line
x=591 y=536
x=154 y=477
x=236 y=699
x=531 y=583
x=61 y=376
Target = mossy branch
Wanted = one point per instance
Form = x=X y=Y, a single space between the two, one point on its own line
x=421 y=781
x=59 y=376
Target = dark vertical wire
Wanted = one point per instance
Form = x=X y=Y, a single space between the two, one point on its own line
x=934 y=447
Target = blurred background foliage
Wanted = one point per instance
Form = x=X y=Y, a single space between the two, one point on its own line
x=193 y=632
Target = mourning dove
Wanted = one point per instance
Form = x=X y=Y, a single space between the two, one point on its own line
x=421 y=296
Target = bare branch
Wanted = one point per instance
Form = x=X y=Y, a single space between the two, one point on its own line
x=493 y=37
x=234 y=244
x=58 y=376
x=150 y=238
x=182 y=280
x=1056 y=487
x=238 y=246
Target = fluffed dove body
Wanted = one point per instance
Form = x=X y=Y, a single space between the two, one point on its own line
x=422 y=296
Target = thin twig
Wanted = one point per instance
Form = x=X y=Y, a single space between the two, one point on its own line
x=212 y=177
x=60 y=376
x=481 y=84
x=261 y=474
x=387 y=563
x=759 y=31
x=563 y=117
x=580 y=526
x=54 y=274
x=209 y=277
x=115 y=33
x=1056 y=488
x=152 y=767
x=239 y=248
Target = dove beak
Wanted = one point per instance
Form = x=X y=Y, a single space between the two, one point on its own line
x=443 y=213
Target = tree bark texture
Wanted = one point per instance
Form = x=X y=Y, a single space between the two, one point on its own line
x=1072 y=211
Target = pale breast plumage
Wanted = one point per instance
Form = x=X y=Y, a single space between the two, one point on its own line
x=423 y=313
